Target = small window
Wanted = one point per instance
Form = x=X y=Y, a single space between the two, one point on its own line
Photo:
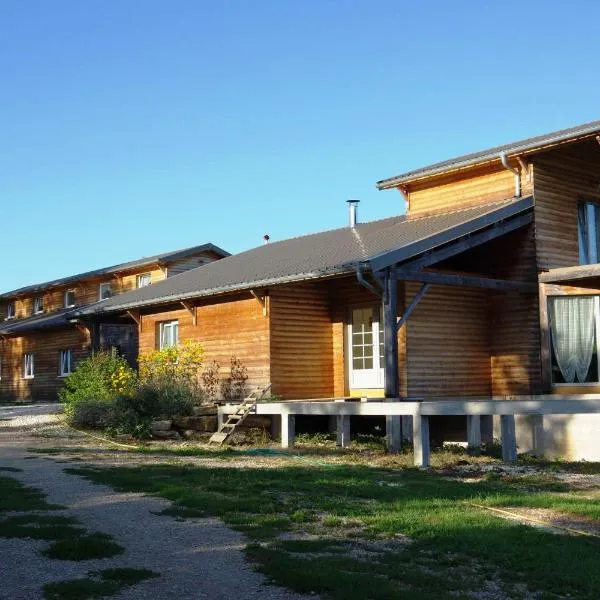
x=38 y=305
x=169 y=334
x=69 y=298
x=10 y=310
x=28 y=365
x=104 y=291
x=588 y=220
x=144 y=280
x=65 y=366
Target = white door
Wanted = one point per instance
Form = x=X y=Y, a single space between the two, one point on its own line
x=365 y=335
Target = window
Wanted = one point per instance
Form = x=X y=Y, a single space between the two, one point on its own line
x=65 y=363
x=104 y=291
x=574 y=332
x=588 y=220
x=0 y=368
x=168 y=334
x=38 y=305
x=69 y=298
x=10 y=310
x=144 y=279
x=28 y=365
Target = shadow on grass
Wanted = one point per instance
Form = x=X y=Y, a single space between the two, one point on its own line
x=350 y=504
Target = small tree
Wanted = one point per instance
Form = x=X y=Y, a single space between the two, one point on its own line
x=234 y=387
x=210 y=378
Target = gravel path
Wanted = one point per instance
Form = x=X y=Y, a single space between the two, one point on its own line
x=196 y=558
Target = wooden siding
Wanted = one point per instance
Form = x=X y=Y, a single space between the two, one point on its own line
x=225 y=327
x=46 y=347
x=447 y=349
x=181 y=266
x=561 y=178
x=302 y=349
x=480 y=186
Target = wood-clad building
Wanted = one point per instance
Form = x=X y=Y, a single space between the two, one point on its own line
x=39 y=342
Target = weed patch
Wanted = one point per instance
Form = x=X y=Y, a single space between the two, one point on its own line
x=84 y=547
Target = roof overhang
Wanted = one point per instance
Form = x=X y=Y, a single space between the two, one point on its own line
x=492 y=156
x=576 y=276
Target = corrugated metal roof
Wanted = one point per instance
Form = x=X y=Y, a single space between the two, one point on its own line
x=46 y=321
x=308 y=257
x=163 y=258
x=520 y=147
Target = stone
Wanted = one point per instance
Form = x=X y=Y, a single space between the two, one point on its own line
x=190 y=434
x=161 y=425
x=166 y=435
x=258 y=421
x=205 y=409
x=206 y=423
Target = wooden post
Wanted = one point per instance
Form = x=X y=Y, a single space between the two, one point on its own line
x=421 y=440
x=474 y=434
x=509 y=438
x=392 y=388
x=343 y=430
x=288 y=430
x=545 y=340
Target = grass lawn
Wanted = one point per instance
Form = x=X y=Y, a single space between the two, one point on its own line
x=352 y=532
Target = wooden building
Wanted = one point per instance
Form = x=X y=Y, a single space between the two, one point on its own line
x=39 y=341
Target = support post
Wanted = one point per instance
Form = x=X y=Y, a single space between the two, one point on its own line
x=288 y=430
x=474 y=434
x=343 y=430
x=537 y=434
x=544 y=340
x=421 y=440
x=390 y=313
x=509 y=438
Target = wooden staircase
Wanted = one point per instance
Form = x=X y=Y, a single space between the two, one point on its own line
x=239 y=416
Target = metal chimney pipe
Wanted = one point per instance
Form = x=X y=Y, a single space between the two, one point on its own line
x=266 y=238
x=352 y=216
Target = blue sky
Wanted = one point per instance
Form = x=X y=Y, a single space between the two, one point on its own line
x=131 y=128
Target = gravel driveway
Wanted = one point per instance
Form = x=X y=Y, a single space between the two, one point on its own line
x=196 y=558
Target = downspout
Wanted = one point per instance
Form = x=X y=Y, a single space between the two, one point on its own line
x=515 y=170
x=361 y=279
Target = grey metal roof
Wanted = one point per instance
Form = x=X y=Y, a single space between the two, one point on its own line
x=45 y=321
x=520 y=147
x=311 y=256
x=164 y=258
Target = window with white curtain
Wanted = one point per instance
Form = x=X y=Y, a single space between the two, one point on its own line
x=65 y=363
x=574 y=332
x=144 y=280
x=168 y=334
x=10 y=310
x=104 y=290
x=588 y=221
x=28 y=365
x=38 y=305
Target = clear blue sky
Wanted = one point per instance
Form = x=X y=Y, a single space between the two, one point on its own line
x=130 y=128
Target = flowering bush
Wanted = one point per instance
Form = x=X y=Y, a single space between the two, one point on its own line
x=181 y=362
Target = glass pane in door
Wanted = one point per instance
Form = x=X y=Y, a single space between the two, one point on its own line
x=362 y=338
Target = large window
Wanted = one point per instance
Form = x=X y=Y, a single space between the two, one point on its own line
x=168 y=334
x=588 y=219
x=65 y=363
x=574 y=331
x=28 y=365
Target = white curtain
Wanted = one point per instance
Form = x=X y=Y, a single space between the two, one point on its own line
x=573 y=325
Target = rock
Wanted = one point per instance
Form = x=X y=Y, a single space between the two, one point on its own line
x=205 y=409
x=190 y=434
x=166 y=435
x=259 y=421
x=206 y=423
x=161 y=425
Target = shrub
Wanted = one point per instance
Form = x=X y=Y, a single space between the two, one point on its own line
x=235 y=387
x=96 y=379
x=181 y=362
x=210 y=378
x=91 y=413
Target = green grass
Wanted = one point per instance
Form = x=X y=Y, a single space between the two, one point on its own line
x=17 y=497
x=39 y=527
x=98 y=584
x=11 y=469
x=84 y=547
x=360 y=516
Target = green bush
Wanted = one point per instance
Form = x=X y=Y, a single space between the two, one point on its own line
x=91 y=413
x=96 y=380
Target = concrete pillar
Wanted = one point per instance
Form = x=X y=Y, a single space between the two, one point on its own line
x=220 y=418
x=393 y=433
x=537 y=434
x=421 y=440
x=509 y=438
x=474 y=434
x=343 y=430
x=288 y=430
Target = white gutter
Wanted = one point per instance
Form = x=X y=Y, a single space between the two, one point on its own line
x=515 y=170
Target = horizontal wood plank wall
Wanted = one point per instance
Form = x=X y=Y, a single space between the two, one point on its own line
x=180 y=266
x=46 y=347
x=514 y=319
x=459 y=190
x=226 y=327
x=302 y=352
x=561 y=177
x=447 y=349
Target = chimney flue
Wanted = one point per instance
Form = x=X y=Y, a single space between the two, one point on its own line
x=266 y=238
x=352 y=216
